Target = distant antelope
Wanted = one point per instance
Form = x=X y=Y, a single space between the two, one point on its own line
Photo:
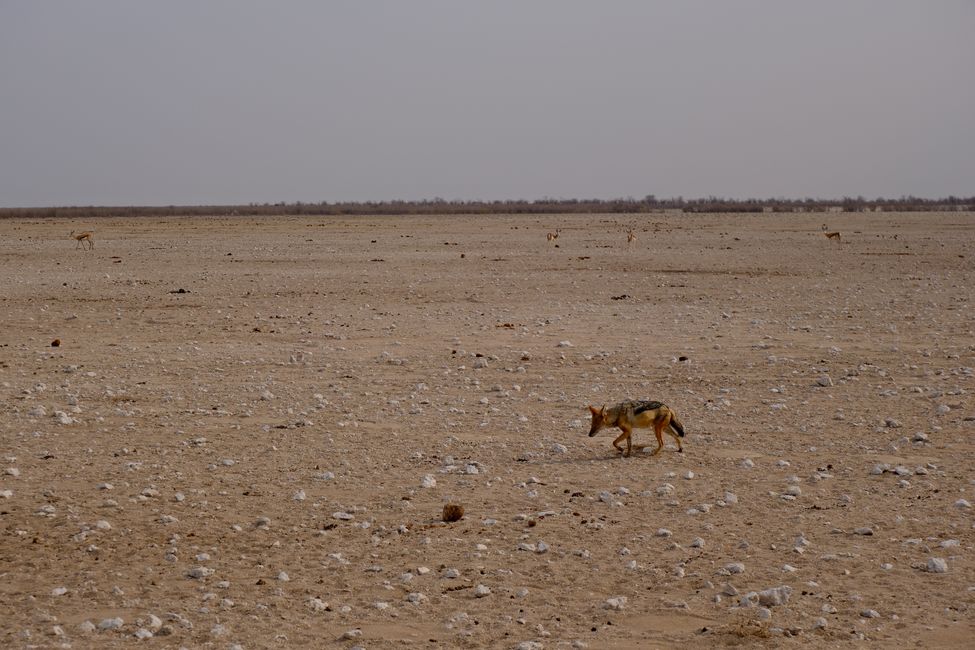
x=552 y=236
x=630 y=237
x=83 y=236
x=833 y=235
x=825 y=227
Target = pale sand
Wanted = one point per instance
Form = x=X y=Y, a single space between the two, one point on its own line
x=350 y=345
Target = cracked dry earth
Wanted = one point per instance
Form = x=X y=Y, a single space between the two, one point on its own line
x=248 y=432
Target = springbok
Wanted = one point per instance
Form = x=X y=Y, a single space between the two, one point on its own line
x=630 y=237
x=552 y=236
x=87 y=235
x=833 y=235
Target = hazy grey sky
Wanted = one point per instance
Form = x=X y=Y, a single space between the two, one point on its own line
x=199 y=101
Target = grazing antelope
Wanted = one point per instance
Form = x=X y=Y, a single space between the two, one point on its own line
x=833 y=235
x=552 y=236
x=83 y=236
x=630 y=237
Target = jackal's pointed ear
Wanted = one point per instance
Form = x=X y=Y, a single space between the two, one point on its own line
x=593 y=409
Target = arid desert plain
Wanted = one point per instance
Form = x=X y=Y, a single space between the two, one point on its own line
x=250 y=427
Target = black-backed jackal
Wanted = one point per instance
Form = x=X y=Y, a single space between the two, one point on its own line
x=637 y=414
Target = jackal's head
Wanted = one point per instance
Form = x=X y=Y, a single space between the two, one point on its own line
x=598 y=420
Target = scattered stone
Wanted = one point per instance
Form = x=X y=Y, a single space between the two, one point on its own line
x=317 y=604
x=428 y=481
x=618 y=603
x=480 y=591
x=775 y=596
x=111 y=624
x=199 y=572
x=937 y=565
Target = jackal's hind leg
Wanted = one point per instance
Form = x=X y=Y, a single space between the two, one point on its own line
x=658 y=430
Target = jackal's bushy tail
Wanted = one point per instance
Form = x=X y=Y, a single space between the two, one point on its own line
x=675 y=423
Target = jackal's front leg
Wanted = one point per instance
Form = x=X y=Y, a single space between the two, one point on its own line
x=623 y=436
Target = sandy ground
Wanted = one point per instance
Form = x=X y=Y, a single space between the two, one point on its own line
x=249 y=430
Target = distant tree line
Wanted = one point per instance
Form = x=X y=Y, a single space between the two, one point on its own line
x=648 y=204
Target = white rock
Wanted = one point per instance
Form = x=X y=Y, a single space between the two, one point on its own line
x=199 y=572
x=560 y=448
x=617 y=603
x=316 y=604
x=416 y=598
x=480 y=591
x=663 y=532
x=962 y=503
x=734 y=567
x=428 y=481
x=142 y=634
x=775 y=596
x=937 y=565
x=748 y=463
x=565 y=344
x=283 y=576
x=299 y=495
x=870 y=613
x=111 y=624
